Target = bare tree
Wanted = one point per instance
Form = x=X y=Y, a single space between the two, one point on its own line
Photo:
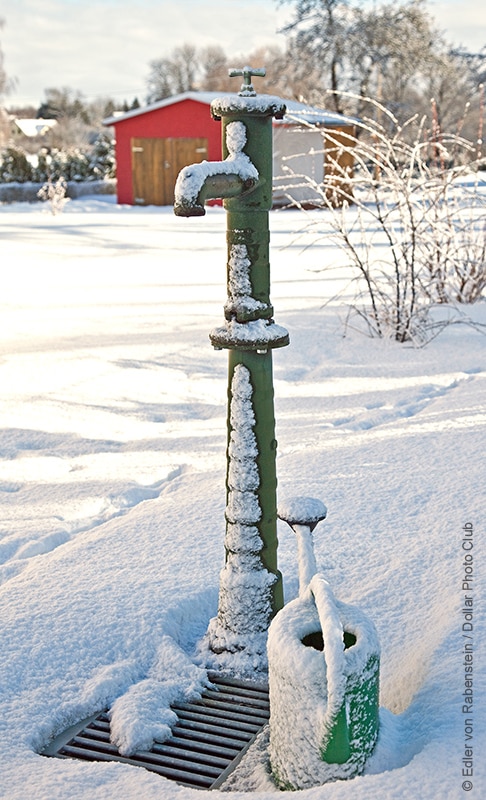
x=456 y=88
x=6 y=85
x=318 y=41
x=345 y=51
x=206 y=69
x=63 y=103
x=173 y=74
x=389 y=49
x=79 y=122
x=214 y=70
x=5 y=82
x=282 y=73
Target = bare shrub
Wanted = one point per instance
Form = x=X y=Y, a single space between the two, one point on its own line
x=54 y=193
x=410 y=217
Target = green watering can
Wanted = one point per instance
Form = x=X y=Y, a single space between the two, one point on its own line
x=323 y=659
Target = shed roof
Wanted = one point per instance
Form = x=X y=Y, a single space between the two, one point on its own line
x=296 y=112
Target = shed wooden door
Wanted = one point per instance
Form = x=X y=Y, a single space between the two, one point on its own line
x=339 y=164
x=156 y=164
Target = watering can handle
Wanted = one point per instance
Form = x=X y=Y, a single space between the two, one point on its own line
x=333 y=636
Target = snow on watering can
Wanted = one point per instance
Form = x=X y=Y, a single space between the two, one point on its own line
x=323 y=659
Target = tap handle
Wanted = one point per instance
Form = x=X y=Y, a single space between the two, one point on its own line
x=247 y=89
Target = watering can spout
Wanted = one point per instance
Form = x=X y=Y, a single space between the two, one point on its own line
x=303 y=514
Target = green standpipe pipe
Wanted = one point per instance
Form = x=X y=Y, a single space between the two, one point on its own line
x=251 y=590
x=259 y=366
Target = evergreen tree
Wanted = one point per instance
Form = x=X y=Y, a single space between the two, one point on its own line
x=41 y=172
x=63 y=103
x=102 y=158
x=15 y=167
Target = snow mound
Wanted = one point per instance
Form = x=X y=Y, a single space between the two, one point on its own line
x=143 y=715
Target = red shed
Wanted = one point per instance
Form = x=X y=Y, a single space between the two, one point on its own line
x=155 y=142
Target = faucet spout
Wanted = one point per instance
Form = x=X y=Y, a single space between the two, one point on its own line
x=233 y=177
x=208 y=180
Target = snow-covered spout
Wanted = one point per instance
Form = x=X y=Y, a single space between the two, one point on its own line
x=199 y=182
x=303 y=514
x=306 y=556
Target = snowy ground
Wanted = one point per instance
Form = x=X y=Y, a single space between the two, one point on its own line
x=112 y=465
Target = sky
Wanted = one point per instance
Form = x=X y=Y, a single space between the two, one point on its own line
x=102 y=48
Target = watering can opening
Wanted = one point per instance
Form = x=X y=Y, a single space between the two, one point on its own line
x=316 y=640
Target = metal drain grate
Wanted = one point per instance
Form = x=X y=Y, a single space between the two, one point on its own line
x=208 y=740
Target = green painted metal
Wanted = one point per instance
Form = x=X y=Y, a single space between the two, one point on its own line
x=355 y=728
x=337 y=749
x=261 y=371
x=248 y=225
x=249 y=333
x=247 y=89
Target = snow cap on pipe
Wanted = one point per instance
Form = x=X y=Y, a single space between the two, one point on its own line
x=302 y=511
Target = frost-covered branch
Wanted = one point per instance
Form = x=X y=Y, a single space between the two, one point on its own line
x=410 y=216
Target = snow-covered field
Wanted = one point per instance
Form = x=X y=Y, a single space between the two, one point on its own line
x=112 y=460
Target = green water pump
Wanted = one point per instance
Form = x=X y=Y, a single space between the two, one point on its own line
x=250 y=584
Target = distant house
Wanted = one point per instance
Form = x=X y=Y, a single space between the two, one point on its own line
x=35 y=127
x=152 y=145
